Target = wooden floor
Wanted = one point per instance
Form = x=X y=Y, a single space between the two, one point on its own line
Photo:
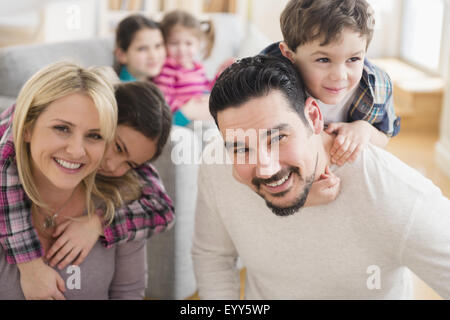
x=417 y=150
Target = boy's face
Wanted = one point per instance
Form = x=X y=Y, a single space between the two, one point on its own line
x=330 y=71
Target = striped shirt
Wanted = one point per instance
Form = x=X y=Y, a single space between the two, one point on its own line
x=151 y=214
x=373 y=100
x=179 y=84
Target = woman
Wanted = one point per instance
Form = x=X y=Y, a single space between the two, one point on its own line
x=64 y=118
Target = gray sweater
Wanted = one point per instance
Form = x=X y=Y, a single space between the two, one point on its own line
x=387 y=221
x=115 y=273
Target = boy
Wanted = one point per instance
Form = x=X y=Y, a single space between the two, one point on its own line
x=327 y=42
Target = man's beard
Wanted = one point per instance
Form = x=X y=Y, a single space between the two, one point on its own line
x=299 y=202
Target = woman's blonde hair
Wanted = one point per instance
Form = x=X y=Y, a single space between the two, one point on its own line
x=51 y=83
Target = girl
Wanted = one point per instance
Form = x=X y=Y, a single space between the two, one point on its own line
x=140 y=52
x=140 y=55
x=182 y=78
x=153 y=213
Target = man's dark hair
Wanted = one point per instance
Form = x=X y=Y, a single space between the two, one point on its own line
x=142 y=107
x=256 y=77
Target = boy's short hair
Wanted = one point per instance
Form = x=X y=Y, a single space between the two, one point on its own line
x=303 y=21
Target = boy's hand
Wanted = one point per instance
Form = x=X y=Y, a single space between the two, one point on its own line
x=76 y=239
x=350 y=140
x=324 y=190
x=40 y=282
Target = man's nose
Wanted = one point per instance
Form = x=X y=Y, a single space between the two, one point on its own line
x=268 y=164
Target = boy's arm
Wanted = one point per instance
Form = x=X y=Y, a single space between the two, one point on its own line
x=151 y=214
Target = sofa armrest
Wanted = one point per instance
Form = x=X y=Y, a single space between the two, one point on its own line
x=170 y=269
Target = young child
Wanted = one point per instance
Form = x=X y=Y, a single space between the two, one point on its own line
x=151 y=214
x=183 y=78
x=327 y=41
x=140 y=51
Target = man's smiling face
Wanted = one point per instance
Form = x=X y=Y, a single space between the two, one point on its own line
x=281 y=165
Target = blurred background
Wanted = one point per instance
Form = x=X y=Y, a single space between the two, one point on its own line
x=411 y=42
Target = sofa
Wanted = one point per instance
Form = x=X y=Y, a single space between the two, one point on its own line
x=170 y=270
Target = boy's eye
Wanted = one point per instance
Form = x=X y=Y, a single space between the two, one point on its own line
x=354 y=59
x=323 y=60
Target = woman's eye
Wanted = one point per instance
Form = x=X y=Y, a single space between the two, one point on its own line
x=95 y=136
x=119 y=149
x=63 y=129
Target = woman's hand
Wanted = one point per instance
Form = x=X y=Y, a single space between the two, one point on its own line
x=40 y=282
x=76 y=238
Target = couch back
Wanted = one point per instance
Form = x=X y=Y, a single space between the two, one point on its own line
x=19 y=63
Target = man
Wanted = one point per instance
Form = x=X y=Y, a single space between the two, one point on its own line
x=387 y=219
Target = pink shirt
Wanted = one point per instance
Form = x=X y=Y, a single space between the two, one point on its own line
x=179 y=84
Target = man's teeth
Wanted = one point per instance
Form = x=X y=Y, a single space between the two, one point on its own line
x=279 y=182
x=68 y=165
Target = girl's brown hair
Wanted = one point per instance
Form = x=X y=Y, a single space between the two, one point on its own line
x=204 y=30
x=126 y=31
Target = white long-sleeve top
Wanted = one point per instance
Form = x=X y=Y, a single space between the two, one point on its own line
x=387 y=219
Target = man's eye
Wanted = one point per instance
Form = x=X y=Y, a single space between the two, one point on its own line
x=240 y=150
x=277 y=138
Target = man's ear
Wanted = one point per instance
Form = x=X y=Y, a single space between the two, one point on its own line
x=313 y=115
x=120 y=56
x=285 y=51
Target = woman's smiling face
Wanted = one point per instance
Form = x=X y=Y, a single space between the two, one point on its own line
x=65 y=142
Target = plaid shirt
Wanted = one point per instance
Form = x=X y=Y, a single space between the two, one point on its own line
x=373 y=100
x=147 y=216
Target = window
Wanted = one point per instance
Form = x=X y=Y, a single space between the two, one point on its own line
x=422 y=33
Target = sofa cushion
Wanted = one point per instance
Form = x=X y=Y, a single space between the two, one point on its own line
x=19 y=63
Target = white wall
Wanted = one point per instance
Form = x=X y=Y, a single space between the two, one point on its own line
x=385 y=43
x=265 y=14
x=443 y=146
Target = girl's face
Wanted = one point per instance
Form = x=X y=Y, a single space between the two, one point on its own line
x=183 y=46
x=129 y=150
x=65 y=142
x=145 y=55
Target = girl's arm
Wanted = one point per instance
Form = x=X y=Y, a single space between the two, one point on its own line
x=151 y=214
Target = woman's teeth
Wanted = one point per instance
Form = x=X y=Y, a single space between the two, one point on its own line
x=68 y=165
